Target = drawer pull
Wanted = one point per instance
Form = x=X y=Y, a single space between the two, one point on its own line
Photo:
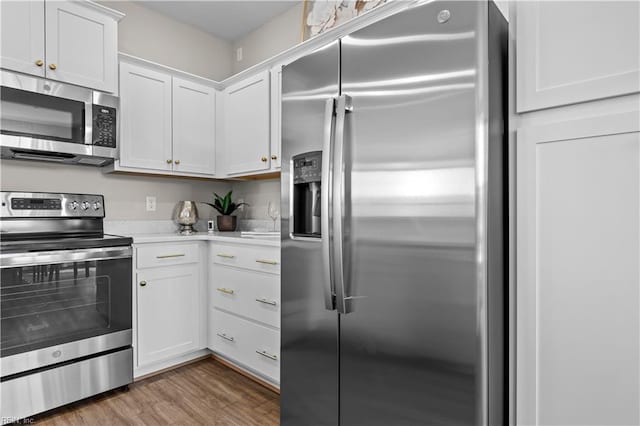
x=169 y=256
x=225 y=337
x=267 y=302
x=225 y=290
x=267 y=355
x=226 y=256
x=267 y=262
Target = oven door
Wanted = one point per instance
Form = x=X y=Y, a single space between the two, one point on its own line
x=40 y=115
x=61 y=305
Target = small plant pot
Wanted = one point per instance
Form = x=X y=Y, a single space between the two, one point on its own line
x=227 y=223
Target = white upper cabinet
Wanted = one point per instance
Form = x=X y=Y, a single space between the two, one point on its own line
x=22 y=36
x=276 y=116
x=167 y=122
x=247 y=126
x=570 y=52
x=80 y=40
x=194 y=108
x=145 y=117
x=81 y=45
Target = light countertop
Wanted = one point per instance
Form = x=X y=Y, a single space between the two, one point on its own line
x=229 y=237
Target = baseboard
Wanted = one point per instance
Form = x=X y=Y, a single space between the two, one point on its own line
x=246 y=373
x=161 y=367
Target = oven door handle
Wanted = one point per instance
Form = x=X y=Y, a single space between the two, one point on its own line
x=13 y=260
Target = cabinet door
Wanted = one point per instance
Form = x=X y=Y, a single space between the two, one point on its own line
x=22 y=36
x=276 y=116
x=246 y=107
x=168 y=312
x=570 y=51
x=194 y=110
x=578 y=298
x=145 y=111
x=82 y=45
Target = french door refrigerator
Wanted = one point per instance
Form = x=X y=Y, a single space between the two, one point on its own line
x=393 y=223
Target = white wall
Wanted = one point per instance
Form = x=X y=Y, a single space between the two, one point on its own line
x=158 y=38
x=124 y=194
x=278 y=34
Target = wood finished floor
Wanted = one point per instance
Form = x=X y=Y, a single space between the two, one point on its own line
x=205 y=392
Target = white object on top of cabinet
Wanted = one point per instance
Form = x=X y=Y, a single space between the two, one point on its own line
x=167 y=122
x=570 y=52
x=578 y=209
x=246 y=127
x=80 y=40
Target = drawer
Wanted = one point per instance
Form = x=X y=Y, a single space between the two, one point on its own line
x=154 y=255
x=247 y=293
x=257 y=258
x=250 y=344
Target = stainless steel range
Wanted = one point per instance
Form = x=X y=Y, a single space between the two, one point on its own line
x=65 y=295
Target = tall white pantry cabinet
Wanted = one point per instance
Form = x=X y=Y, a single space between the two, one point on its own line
x=578 y=212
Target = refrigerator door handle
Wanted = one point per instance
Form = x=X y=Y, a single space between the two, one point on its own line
x=341 y=184
x=326 y=205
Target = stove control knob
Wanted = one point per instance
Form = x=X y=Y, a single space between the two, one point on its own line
x=96 y=205
x=73 y=205
x=84 y=205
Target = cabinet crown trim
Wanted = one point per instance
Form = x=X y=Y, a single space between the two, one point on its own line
x=115 y=14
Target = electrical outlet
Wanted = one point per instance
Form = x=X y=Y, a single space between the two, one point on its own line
x=239 y=54
x=151 y=204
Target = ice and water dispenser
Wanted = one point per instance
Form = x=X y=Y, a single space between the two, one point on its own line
x=307 y=171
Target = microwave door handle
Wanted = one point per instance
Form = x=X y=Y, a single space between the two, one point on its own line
x=326 y=205
x=341 y=211
x=88 y=122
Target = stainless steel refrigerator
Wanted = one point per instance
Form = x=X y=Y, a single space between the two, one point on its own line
x=394 y=223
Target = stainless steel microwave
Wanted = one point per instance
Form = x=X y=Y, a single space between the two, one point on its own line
x=42 y=119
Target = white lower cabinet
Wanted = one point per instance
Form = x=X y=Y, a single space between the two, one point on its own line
x=245 y=342
x=178 y=317
x=168 y=302
x=244 y=300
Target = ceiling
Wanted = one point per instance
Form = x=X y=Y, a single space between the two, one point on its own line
x=225 y=19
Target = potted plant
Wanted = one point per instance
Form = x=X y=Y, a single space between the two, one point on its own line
x=225 y=206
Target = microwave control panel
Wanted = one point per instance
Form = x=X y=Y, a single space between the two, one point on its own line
x=104 y=126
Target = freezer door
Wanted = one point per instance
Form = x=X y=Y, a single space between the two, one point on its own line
x=410 y=342
x=309 y=327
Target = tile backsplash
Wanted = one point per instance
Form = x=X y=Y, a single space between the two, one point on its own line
x=258 y=194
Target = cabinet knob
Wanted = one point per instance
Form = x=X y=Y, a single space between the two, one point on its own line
x=39 y=62
x=52 y=66
x=143 y=283
x=264 y=159
x=274 y=157
x=169 y=161
x=177 y=161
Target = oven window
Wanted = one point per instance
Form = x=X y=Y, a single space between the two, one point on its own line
x=47 y=305
x=41 y=116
